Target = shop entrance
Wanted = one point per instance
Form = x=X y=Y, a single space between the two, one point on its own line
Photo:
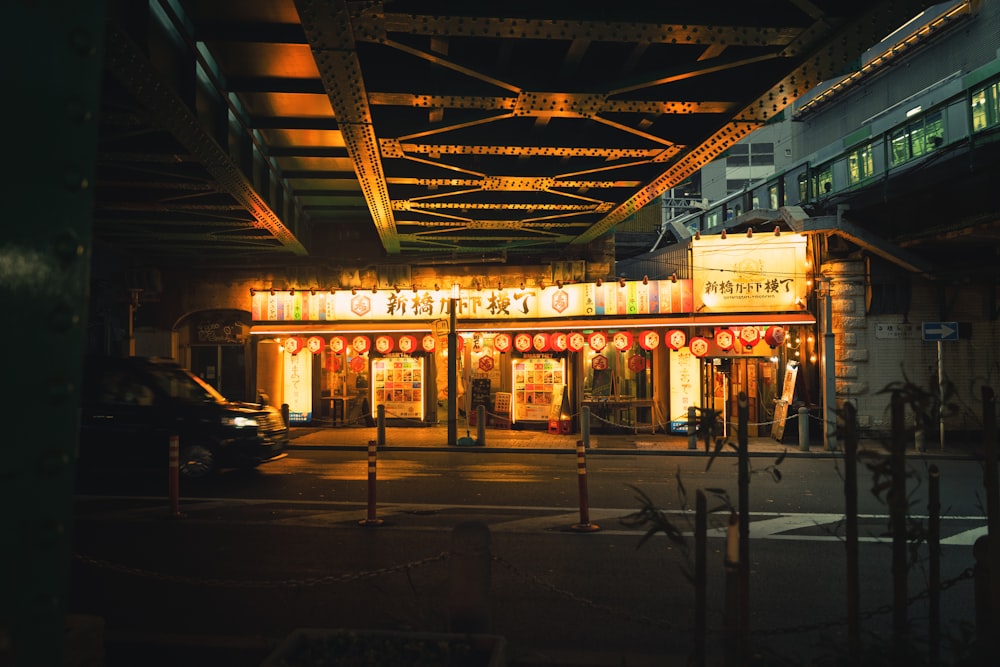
x=724 y=378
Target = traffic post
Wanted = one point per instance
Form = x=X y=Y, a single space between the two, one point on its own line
x=372 y=463
x=938 y=332
x=581 y=474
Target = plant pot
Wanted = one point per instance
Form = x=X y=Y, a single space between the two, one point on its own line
x=319 y=647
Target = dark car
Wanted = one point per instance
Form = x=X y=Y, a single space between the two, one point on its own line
x=130 y=408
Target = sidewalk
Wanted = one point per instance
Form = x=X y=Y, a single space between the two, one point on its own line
x=497 y=440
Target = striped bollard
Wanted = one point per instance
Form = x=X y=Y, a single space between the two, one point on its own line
x=173 y=477
x=581 y=475
x=372 y=461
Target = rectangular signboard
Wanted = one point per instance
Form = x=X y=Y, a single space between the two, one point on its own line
x=934 y=331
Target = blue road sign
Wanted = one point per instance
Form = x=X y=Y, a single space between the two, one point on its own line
x=934 y=331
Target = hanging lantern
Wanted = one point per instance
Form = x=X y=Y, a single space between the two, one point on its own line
x=622 y=340
x=315 y=344
x=407 y=344
x=575 y=341
x=338 y=344
x=361 y=344
x=384 y=344
x=522 y=342
x=558 y=342
x=294 y=344
x=649 y=340
x=749 y=336
x=676 y=339
x=698 y=346
x=637 y=363
x=597 y=341
x=725 y=339
x=427 y=342
x=774 y=336
x=358 y=364
x=540 y=341
x=502 y=342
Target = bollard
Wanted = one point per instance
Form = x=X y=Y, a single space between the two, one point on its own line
x=731 y=615
x=581 y=475
x=804 y=429
x=173 y=477
x=469 y=578
x=372 y=461
x=692 y=428
x=481 y=425
x=380 y=432
x=285 y=414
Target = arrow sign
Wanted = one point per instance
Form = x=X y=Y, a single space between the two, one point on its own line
x=934 y=331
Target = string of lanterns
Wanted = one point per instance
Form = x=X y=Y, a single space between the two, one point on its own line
x=725 y=339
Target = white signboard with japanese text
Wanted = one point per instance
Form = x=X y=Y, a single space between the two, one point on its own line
x=762 y=273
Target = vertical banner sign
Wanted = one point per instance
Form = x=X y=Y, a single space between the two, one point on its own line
x=298 y=386
x=684 y=385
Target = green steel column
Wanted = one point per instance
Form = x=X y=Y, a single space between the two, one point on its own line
x=51 y=83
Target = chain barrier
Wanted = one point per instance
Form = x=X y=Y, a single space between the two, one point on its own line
x=276 y=583
x=569 y=595
x=968 y=573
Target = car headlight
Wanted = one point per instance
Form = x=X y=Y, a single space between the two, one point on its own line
x=239 y=422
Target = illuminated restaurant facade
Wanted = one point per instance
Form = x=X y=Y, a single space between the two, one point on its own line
x=637 y=353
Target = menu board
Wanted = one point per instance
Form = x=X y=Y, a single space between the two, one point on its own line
x=398 y=384
x=534 y=381
x=480 y=396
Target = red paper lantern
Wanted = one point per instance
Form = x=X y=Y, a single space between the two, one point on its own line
x=361 y=344
x=774 y=336
x=622 y=340
x=649 y=340
x=338 y=344
x=637 y=363
x=384 y=344
x=294 y=344
x=597 y=341
x=522 y=342
x=315 y=344
x=427 y=342
x=575 y=341
x=698 y=346
x=749 y=336
x=407 y=344
x=502 y=342
x=558 y=342
x=725 y=339
x=540 y=341
x=676 y=339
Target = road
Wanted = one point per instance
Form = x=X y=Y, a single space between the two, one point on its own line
x=259 y=553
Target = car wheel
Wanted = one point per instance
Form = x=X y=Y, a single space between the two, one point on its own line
x=196 y=462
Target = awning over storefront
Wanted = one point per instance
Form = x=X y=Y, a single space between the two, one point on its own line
x=714 y=320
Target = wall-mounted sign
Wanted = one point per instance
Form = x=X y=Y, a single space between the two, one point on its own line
x=765 y=273
x=653 y=297
x=599 y=362
x=637 y=363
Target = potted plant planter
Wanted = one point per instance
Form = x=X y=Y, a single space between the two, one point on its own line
x=318 y=647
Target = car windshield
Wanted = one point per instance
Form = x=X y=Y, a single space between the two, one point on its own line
x=184 y=386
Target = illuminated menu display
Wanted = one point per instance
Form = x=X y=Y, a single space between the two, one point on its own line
x=398 y=384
